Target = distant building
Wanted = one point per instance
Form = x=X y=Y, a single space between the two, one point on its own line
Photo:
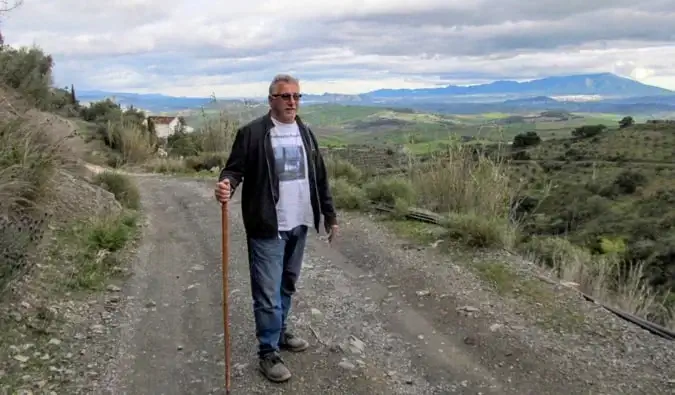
x=165 y=126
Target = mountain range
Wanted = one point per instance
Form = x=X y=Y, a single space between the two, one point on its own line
x=600 y=92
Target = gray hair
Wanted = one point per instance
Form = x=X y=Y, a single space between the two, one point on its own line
x=286 y=78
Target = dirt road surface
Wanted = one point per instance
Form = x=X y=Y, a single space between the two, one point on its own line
x=371 y=329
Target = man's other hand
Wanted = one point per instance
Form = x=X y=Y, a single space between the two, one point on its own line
x=333 y=233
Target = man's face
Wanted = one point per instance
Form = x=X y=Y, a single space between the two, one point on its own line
x=284 y=101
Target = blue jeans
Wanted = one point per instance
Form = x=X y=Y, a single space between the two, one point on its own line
x=275 y=267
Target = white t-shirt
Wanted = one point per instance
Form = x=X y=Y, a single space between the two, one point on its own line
x=290 y=163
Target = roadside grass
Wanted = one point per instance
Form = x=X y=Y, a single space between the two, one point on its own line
x=473 y=193
x=601 y=276
x=198 y=165
x=93 y=250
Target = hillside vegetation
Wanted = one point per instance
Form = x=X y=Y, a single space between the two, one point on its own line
x=63 y=231
x=596 y=208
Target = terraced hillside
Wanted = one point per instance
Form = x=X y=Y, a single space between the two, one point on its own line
x=617 y=186
x=654 y=143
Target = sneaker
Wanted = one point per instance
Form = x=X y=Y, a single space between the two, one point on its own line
x=273 y=368
x=293 y=343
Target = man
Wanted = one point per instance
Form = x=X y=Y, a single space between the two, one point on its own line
x=285 y=192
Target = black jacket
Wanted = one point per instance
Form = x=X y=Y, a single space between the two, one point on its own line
x=251 y=160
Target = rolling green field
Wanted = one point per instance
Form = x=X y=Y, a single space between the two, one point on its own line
x=340 y=125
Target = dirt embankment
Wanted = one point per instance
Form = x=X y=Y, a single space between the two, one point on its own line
x=50 y=297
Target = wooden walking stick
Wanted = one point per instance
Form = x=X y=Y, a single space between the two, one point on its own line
x=226 y=319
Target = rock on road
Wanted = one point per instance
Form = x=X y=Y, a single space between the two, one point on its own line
x=366 y=337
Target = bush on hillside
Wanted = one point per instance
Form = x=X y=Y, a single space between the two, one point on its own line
x=215 y=134
x=587 y=131
x=479 y=231
x=101 y=112
x=183 y=144
x=461 y=180
x=346 y=195
x=340 y=168
x=526 y=139
x=29 y=72
x=626 y=122
x=395 y=191
x=133 y=142
x=206 y=161
x=28 y=159
x=628 y=181
x=122 y=186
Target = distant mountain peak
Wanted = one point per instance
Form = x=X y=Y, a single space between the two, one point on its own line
x=603 y=84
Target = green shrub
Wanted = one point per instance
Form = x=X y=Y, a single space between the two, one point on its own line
x=551 y=251
x=340 y=168
x=347 y=195
x=480 y=231
x=206 y=161
x=122 y=186
x=29 y=72
x=391 y=191
x=628 y=181
x=214 y=134
x=588 y=130
x=133 y=141
x=92 y=248
x=28 y=160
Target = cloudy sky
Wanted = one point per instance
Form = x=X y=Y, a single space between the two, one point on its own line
x=233 y=48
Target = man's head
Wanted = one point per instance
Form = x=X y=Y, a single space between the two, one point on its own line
x=284 y=97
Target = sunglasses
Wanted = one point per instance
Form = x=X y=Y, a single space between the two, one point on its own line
x=287 y=96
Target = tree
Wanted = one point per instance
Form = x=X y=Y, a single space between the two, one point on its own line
x=588 y=131
x=626 y=122
x=526 y=139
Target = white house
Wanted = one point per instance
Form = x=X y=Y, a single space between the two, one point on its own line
x=166 y=125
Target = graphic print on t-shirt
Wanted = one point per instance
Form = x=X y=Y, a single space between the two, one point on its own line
x=289 y=162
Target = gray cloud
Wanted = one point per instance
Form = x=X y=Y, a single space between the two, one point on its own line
x=146 y=44
x=403 y=37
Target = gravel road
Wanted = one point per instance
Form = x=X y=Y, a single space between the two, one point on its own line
x=371 y=330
